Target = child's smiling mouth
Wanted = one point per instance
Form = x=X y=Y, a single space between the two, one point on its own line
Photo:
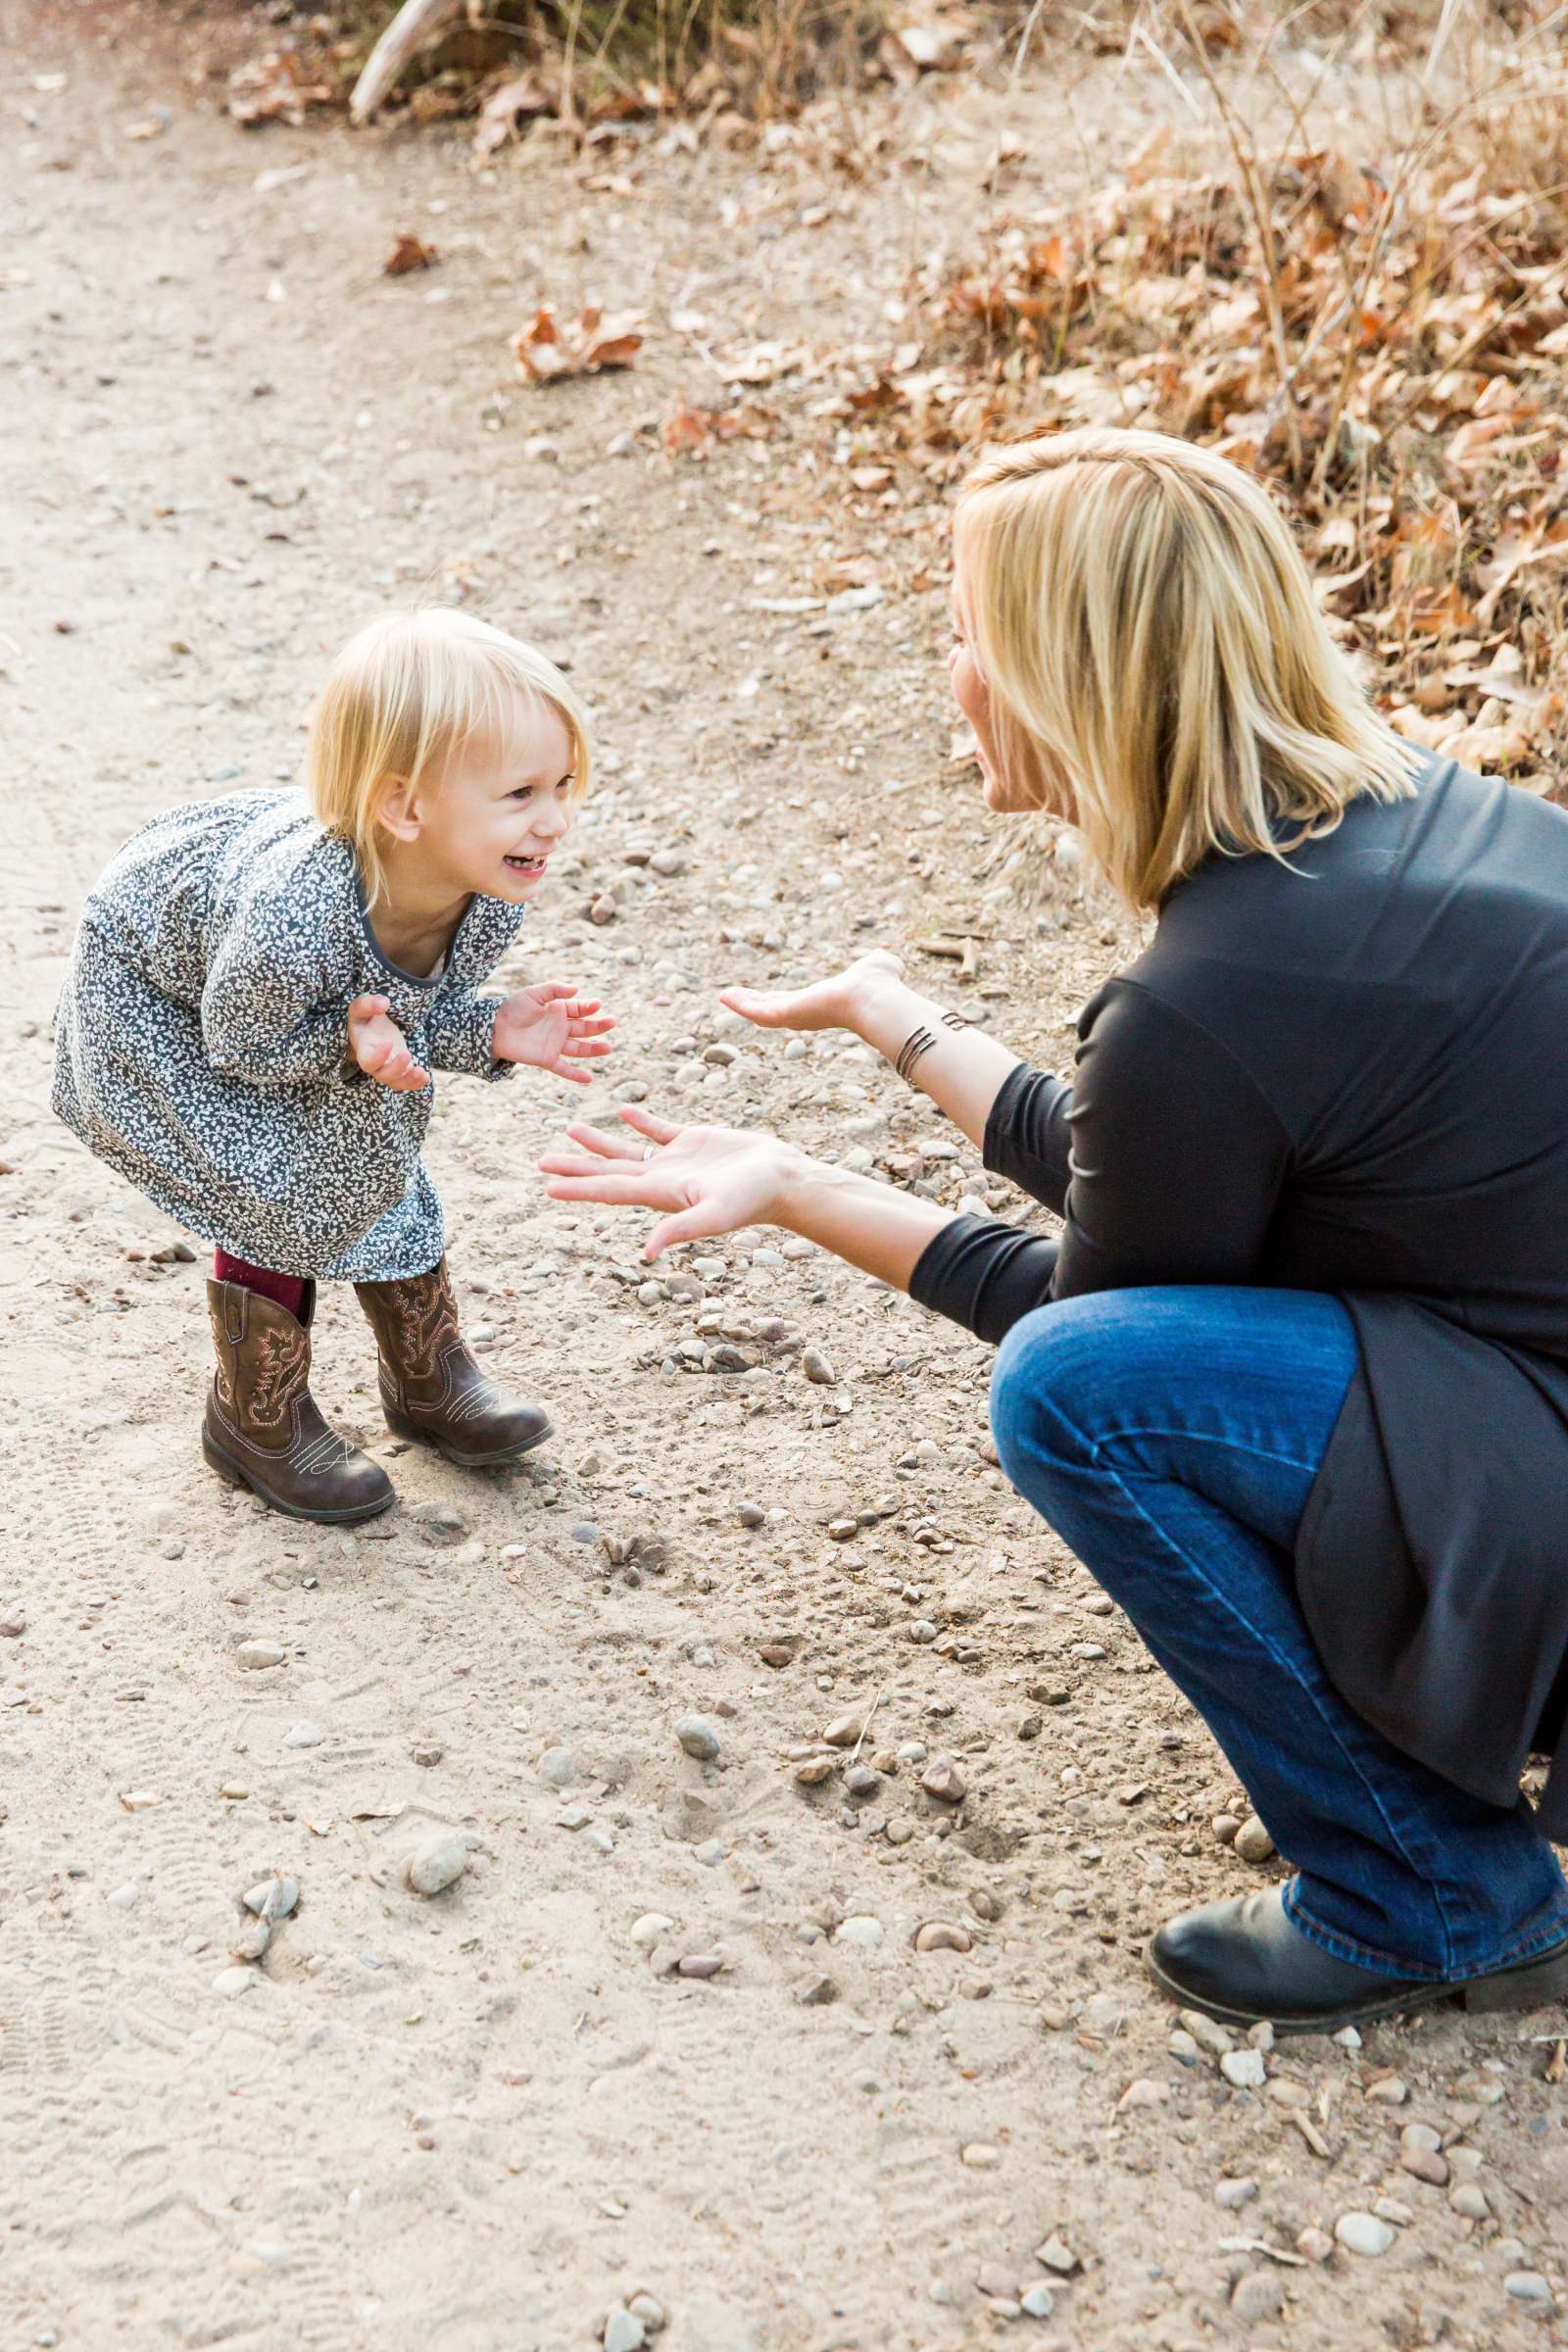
x=527 y=865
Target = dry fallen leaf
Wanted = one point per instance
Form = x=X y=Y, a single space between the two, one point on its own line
x=546 y=350
x=409 y=251
x=521 y=95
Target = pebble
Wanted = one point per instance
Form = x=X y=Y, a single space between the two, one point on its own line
x=751 y=1514
x=1314 y=2245
x=941 y=1778
x=698 y=1737
x=699 y=1965
x=980 y=2156
x=1258 y=2296
x=1388 y=2090
x=1207 y=2032
x=1225 y=1827
x=585 y=1532
x=1143 y=2093
x=1529 y=2286
x=1469 y=2199
x=427 y=1751
x=1252 y=1842
x=437 y=1863
x=230 y=1980
x=1036 y=2301
x=254 y=1657
x=649 y=1929
x=1244 y=2069
x=995 y=2279
x=624 y=2331
x=558 y=1767
x=1230 y=2194
x=861 y=1928
x=817 y=1991
x=861 y=1780
x=124 y=1898
x=845 y=1729
x=816 y=1367
x=1363 y=2233
x=303 y=1733
x=272 y=1899
x=778 y=1654
x=942 y=1935
x=1421 y=2135
x=668 y=862
x=650 y=2310
x=1425 y=2164
x=1057 y=2256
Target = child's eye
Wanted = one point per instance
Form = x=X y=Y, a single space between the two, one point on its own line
x=521 y=792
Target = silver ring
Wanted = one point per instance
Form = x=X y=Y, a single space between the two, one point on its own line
x=649 y=1149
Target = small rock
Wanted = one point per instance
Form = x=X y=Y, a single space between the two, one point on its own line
x=624 y=2331
x=698 y=1737
x=941 y=1778
x=303 y=1733
x=778 y=1654
x=650 y=2310
x=1231 y=2194
x=815 y=1770
x=751 y=1514
x=1388 y=2090
x=816 y=1367
x=1314 y=2245
x=427 y=1751
x=437 y=1863
x=1348 y=2038
x=1421 y=2135
x=1529 y=2286
x=1363 y=2233
x=649 y=1929
x=256 y=1656
x=1258 y=2296
x=1057 y=2256
x=668 y=862
x=996 y=2279
x=817 y=1991
x=942 y=1935
x=1036 y=2301
x=558 y=1767
x=124 y=1898
x=272 y=1899
x=861 y=1780
x=845 y=1729
x=1469 y=2200
x=1143 y=2093
x=1252 y=1842
x=699 y=1965
x=1244 y=2067
x=980 y=2156
x=1207 y=2032
x=861 y=1928
x=1425 y=2164
x=229 y=1981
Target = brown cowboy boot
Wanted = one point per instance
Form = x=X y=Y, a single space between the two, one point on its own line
x=263 y=1429
x=432 y=1388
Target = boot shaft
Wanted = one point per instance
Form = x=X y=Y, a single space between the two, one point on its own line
x=417 y=1332
x=264 y=1359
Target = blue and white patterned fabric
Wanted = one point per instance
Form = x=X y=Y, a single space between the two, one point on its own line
x=202 y=1040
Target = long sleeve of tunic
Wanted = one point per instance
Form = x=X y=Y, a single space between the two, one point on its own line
x=1345 y=1072
x=201 y=1043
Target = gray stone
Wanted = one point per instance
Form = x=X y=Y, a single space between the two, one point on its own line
x=863 y=1930
x=558 y=1767
x=1258 y=2296
x=438 y=1863
x=256 y=1656
x=303 y=1733
x=1036 y=2301
x=1363 y=2233
x=698 y=1737
x=1252 y=1842
x=272 y=1899
x=816 y=1367
x=1529 y=2286
x=1244 y=2069
x=624 y=2331
x=1230 y=2194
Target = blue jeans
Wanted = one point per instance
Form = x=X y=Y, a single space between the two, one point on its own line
x=1171 y=1437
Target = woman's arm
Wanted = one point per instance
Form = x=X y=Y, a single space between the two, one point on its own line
x=962 y=1070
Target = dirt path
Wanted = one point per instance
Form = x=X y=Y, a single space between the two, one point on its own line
x=477 y=2122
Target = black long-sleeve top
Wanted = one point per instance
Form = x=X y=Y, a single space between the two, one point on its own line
x=1350 y=1074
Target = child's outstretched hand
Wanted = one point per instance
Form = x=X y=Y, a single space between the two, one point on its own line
x=377 y=1043
x=553 y=1028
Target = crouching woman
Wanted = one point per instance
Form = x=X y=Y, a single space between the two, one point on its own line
x=1294 y=1381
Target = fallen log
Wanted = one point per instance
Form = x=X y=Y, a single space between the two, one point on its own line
x=416 y=23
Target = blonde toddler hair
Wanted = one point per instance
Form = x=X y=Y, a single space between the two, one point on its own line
x=405 y=694
x=1140 y=614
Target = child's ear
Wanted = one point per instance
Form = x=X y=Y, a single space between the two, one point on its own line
x=394 y=808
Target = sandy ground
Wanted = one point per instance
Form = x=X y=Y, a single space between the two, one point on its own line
x=478 y=2123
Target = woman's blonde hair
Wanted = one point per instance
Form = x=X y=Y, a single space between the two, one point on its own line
x=1141 y=615
x=405 y=694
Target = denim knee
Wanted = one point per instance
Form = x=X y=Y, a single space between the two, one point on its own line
x=1043 y=1387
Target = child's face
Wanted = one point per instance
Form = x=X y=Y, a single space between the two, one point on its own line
x=501 y=807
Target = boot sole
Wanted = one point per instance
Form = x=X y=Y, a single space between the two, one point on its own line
x=235 y=1474
x=401 y=1426
x=1533 y=1985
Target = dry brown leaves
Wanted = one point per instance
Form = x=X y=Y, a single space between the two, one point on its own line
x=547 y=349
x=409 y=251
x=1399 y=378
x=280 y=86
x=687 y=431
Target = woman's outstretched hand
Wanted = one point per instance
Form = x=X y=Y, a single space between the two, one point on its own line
x=704 y=1180
x=832 y=1004
x=551 y=1026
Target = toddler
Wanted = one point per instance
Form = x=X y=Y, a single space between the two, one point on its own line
x=257 y=994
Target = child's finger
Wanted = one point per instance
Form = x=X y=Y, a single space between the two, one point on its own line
x=658 y=1131
x=586 y=1047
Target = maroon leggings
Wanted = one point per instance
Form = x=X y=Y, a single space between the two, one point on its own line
x=288 y=1290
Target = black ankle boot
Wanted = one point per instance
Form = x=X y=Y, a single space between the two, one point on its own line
x=1242 y=1961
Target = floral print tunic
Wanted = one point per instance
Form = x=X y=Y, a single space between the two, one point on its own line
x=202 y=1040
